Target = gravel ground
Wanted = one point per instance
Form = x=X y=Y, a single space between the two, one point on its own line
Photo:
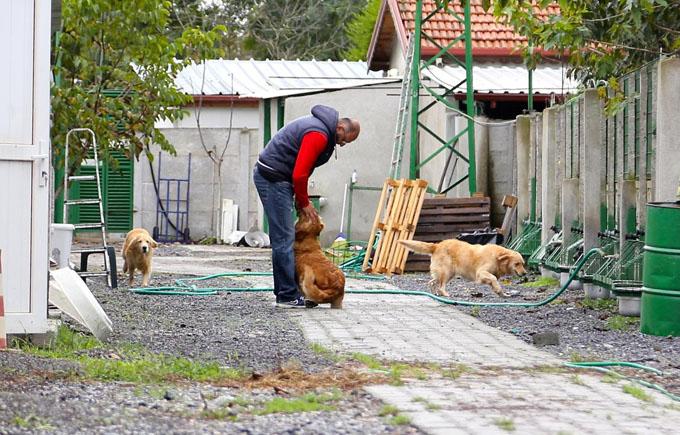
x=584 y=333
x=239 y=330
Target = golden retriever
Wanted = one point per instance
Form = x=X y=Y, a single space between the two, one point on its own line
x=137 y=253
x=483 y=264
x=320 y=280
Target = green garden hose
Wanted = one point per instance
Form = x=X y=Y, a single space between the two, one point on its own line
x=183 y=288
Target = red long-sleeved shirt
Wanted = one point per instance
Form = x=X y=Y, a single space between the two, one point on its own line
x=313 y=144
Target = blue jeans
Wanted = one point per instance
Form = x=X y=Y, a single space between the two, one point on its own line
x=277 y=200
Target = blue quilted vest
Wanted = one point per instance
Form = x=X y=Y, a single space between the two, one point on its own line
x=277 y=159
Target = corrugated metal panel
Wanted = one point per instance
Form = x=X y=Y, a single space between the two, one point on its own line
x=274 y=78
x=505 y=78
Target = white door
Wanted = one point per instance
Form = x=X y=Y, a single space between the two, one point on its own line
x=24 y=161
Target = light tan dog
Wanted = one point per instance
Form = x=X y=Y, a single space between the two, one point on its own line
x=483 y=264
x=320 y=280
x=137 y=254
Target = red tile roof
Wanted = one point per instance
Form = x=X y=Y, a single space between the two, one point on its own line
x=488 y=36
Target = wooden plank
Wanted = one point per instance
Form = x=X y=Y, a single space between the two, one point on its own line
x=454 y=211
x=455 y=202
x=414 y=218
x=385 y=244
x=407 y=216
x=449 y=219
x=376 y=221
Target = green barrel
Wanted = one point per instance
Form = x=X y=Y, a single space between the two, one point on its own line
x=660 y=305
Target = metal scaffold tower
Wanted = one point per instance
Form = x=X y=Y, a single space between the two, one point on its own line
x=452 y=144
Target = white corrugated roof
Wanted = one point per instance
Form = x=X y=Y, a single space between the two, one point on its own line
x=273 y=78
x=277 y=78
x=499 y=78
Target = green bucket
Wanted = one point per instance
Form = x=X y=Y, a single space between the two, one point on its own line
x=660 y=305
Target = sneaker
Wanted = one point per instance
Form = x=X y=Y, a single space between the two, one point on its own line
x=295 y=303
x=310 y=304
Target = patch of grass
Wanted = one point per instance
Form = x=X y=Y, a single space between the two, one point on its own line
x=577 y=357
x=611 y=378
x=220 y=414
x=576 y=379
x=388 y=410
x=547 y=369
x=505 y=423
x=66 y=344
x=307 y=403
x=599 y=304
x=132 y=363
x=637 y=392
x=32 y=422
x=368 y=361
x=326 y=353
x=399 y=420
x=474 y=312
x=428 y=405
x=455 y=372
x=621 y=323
x=544 y=281
x=397 y=371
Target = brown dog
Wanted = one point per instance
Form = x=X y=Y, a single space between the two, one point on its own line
x=137 y=254
x=483 y=264
x=319 y=279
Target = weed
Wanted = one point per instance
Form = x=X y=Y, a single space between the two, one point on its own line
x=32 y=422
x=505 y=424
x=428 y=405
x=220 y=414
x=576 y=357
x=544 y=281
x=576 y=379
x=611 y=378
x=637 y=392
x=368 y=361
x=326 y=353
x=621 y=323
x=599 y=304
x=547 y=369
x=474 y=312
x=388 y=410
x=455 y=372
x=400 y=420
x=307 y=403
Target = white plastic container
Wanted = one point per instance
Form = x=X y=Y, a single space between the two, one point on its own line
x=61 y=238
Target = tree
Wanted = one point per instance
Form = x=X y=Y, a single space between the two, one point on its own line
x=304 y=29
x=601 y=39
x=114 y=73
x=360 y=30
x=205 y=15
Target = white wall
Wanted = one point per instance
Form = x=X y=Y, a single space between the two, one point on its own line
x=370 y=155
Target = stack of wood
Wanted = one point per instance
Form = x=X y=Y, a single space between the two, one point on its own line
x=395 y=219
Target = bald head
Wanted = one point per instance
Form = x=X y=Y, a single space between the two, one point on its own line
x=348 y=130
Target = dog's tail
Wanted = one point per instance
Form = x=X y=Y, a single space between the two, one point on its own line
x=419 y=247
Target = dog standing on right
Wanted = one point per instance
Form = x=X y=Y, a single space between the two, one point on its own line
x=483 y=264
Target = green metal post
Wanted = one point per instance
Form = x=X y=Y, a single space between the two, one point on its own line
x=470 y=102
x=280 y=110
x=415 y=91
x=267 y=130
x=530 y=101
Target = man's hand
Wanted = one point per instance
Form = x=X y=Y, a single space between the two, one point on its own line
x=309 y=212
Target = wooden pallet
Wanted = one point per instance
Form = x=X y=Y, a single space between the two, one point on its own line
x=445 y=218
x=395 y=221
